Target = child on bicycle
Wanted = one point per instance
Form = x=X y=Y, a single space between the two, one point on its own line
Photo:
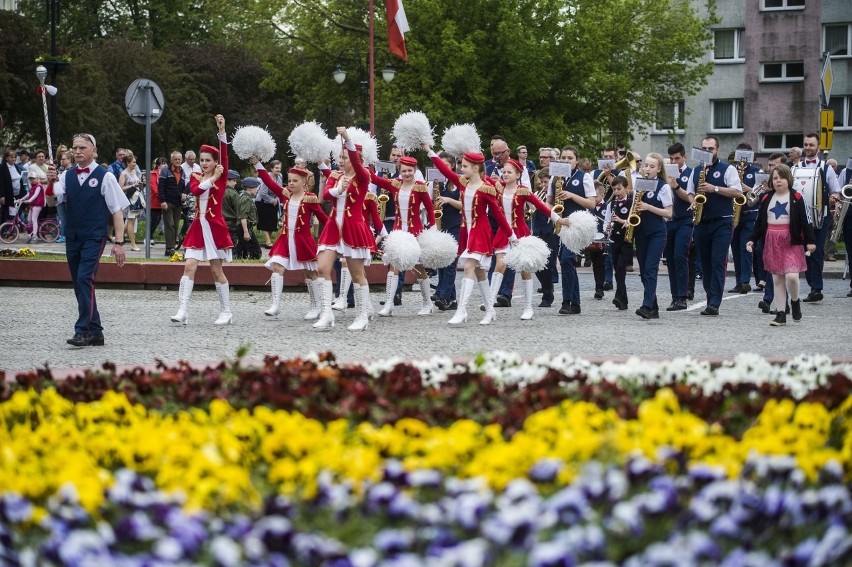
x=34 y=198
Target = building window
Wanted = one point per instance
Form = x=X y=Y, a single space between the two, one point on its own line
x=789 y=71
x=782 y=4
x=780 y=142
x=727 y=115
x=671 y=116
x=728 y=46
x=836 y=40
x=842 y=107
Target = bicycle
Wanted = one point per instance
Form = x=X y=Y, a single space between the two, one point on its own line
x=48 y=229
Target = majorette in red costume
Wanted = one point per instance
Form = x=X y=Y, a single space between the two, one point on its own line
x=209 y=232
x=408 y=201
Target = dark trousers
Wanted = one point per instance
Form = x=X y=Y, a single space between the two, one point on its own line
x=245 y=248
x=4 y=214
x=816 y=260
x=760 y=273
x=769 y=288
x=546 y=276
x=649 y=252
x=84 y=258
x=742 y=257
x=596 y=257
x=447 y=276
x=570 y=281
x=608 y=265
x=154 y=221
x=678 y=238
x=714 y=239
x=171 y=224
x=694 y=268
x=622 y=256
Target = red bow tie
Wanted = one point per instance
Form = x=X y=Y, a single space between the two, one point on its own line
x=82 y=170
x=810 y=161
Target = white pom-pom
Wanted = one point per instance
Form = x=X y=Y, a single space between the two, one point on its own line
x=580 y=233
x=411 y=130
x=437 y=249
x=369 y=144
x=529 y=255
x=460 y=138
x=401 y=250
x=253 y=141
x=308 y=140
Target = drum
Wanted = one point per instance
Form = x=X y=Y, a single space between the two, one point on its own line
x=599 y=244
x=808 y=182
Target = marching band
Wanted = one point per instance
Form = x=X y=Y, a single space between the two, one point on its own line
x=775 y=223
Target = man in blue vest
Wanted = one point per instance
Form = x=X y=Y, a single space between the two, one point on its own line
x=679 y=231
x=715 y=230
x=743 y=259
x=92 y=196
x=844 y=178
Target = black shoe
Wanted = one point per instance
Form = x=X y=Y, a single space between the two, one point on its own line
x=546 y=302
x=699 y=277
x=350 y=305
x=539 y=290
x=169 y=252
x=645 y=313
x=397 y=299
x=759 y=287
x=690 y=295
x=849 y=294
x=814 y=295
x=619 y=304
x=79 y=340
x=452 y=305
x=655 y=313
x=745 y=288
x=434 y=297
x=569 y=309
x=503 y=301
x=735 y=289
x=441 y=304
x=780 y=320
x=607 y=286
x=599 y=294
x=677 y=305
x=710 y=310
x=797 y=310
x=763 y=306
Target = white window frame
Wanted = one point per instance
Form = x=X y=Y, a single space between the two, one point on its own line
x=784 y=6
x=783 y=78
x=848 y=39
x=739 y=34
x=677 y=120
x=846 y=106
x=737 y=105
x=785 y=142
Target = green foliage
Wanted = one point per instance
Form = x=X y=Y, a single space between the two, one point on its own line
x=539 y=72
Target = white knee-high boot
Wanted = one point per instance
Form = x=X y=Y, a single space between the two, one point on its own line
x=528 y=308
x=428 y=306
x=326 y=319
x=368 y=303
x=184 y=291
x=339 y=304
x=277 y=285
x=391 y=282
x=362 y=320
x=496 y=282
x=488 y=300
x=225 y=315
x=466 y=290
x=313 y=293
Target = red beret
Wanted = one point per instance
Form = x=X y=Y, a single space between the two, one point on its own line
x=474 y=157
x=209 y=150
x=516 y=164
x=408 y=160
x=298 y=171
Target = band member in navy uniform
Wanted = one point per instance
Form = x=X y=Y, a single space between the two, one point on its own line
x=450 y=206
x=577 y=194
x=542 y=227
x=714 y=232
x=816 y=261
x=92 y=196
x=654 y=209
x=748 y=215
x=614 y=226
x=844 y=178
x=679 y=231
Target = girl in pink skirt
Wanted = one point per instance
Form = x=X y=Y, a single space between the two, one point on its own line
x=782 y=224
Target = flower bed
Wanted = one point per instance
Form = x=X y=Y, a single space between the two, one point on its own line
x=494 y=462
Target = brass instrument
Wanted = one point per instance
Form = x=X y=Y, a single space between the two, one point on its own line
x=700 y=198
x=840 y=212
x=383 y=199
x=558 y=207
x=633 y=217
x=436 y=194
x=629 y=163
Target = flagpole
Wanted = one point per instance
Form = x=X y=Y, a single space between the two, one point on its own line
x=372 y=72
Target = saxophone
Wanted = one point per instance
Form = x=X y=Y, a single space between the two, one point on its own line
x=740 y=199
x=700 y=198
x=633 y=217
x=558 y=207
x=436 y=194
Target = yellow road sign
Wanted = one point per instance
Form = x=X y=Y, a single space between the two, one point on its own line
x=826 y=128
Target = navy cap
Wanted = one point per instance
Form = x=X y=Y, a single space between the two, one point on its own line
x=250 y=182
x=233 y=174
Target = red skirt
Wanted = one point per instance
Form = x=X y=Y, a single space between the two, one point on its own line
x=779 y=256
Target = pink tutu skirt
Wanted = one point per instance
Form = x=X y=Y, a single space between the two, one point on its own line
x=779 y=256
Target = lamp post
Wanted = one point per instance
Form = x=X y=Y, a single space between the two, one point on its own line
x=365 y=79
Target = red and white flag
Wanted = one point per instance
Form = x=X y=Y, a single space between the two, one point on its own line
x=397 y=26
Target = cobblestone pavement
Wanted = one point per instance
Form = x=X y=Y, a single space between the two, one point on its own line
x=36 y=321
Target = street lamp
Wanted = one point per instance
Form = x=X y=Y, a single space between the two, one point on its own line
x=339 y=74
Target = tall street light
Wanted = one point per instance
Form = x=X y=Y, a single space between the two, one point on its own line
x=365 y=79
